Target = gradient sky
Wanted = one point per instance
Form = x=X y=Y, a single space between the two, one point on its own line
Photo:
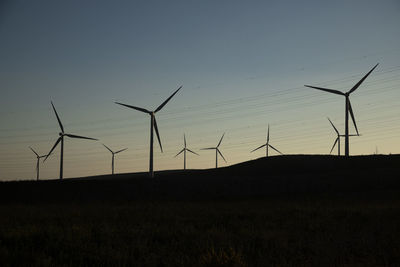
x=243 y=65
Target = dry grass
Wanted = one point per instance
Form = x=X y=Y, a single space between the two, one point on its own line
x=308 y=211
x=323 y=232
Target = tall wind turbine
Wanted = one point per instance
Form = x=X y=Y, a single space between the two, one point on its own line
x=337 y=140
x=217 y=151
x=61 y=139
x=184 y=152
x=113 y=154
x=267 y=145
x=37 y=162
x=153 y=126
x=348 y=108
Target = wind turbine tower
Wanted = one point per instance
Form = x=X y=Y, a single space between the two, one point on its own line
x=61 y=139
x=348 y=108
x=267 y=145
x=113 y=155
x=37 y=162
x=337 y=140
x=217 y=151
x=184 y=152
x=153 y=126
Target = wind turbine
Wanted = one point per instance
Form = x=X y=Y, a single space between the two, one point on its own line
x=153 y=126
x=61 y=139
x=348 y=108
x=37 y=162
x=337 y=140
x=217 y=151
x=113 y=154
x=184 y=152
x=267 y=145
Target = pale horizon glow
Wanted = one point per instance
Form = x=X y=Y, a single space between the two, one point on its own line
x=242 y=66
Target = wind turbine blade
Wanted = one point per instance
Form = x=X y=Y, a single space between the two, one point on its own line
x=108 y=148
x=275 y=149
x=179 y=153
x=207 y=148
x=192 y=152
x=58 y=118
x=258 y=148
x=268 y=134
x=80 y=137
x=34 y=151
x=158 y=135
x=334 y=144
x=168 y=99
x=184 y=140
x=137 y=108
x=58 y=141
x=334 y=127
x=220 y=140
x=352 y=116
x=219 y=152
x=354 y=134
x=326 y=90
x=362 y=80
x=120 y=150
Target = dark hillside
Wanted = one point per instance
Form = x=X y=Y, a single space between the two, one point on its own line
x=279 y=211
x=284 y=176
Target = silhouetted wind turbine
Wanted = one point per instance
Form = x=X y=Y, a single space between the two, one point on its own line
x=184 y=152
x=217 y=151
x=347 y=106
x=266 y=146
x=37 y=162
x=113 y=154
x=61 y=139
x=337 y=140
x=153 y=125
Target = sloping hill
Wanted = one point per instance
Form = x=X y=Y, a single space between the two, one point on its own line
x=279 y=211
x=265 y=177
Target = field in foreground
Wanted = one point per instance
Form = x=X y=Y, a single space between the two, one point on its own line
x=306 y=211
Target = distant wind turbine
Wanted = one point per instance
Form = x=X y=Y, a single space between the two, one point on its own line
x=113 y=154
x=348 y=108
x=184 y=152
x=217 y=151
x=337 y=140
x=267 y=145
x=61 y=139
x=153 y=126
x=37 y=162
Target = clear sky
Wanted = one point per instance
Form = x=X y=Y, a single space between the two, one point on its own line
x=242 y=65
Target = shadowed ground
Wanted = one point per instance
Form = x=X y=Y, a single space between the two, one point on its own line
x=279 y=211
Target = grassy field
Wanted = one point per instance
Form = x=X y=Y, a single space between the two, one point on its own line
x=327 y=222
